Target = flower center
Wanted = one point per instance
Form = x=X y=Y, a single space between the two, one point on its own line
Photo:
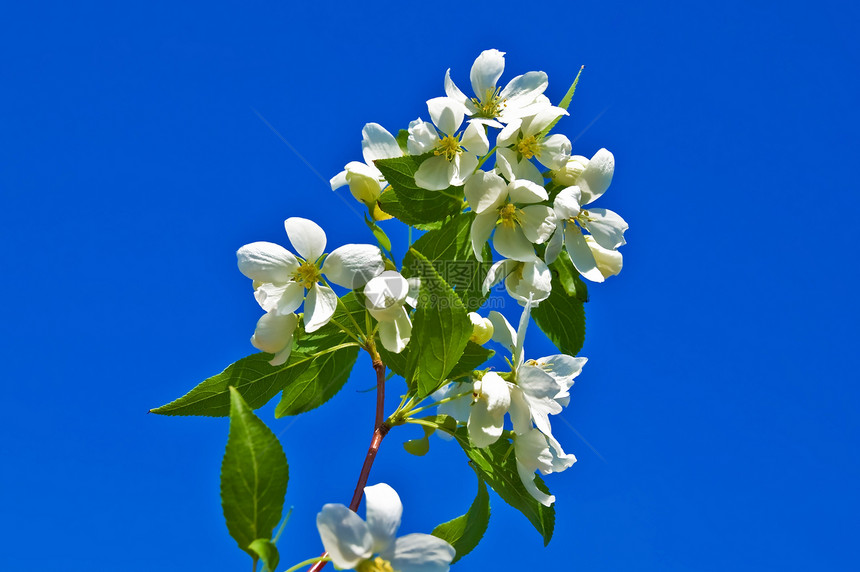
x=528 y=147
x=582 y=218
x=491 y=105
x=375 y=565
x=449 y=147
x=307 y=274
x=508 y=215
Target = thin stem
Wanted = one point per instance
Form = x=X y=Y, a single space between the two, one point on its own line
x=485 y=157
x=425 y=423
x=308 y=561
x=254 y=565
x=435 y=403
x=347 y=331
x=380 y=430
x=348 y=313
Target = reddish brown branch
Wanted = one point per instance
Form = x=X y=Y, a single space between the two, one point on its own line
x=380 y=429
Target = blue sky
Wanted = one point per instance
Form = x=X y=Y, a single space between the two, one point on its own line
x=715 y=423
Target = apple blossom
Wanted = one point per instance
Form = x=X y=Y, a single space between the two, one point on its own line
x=371 y=545
x=524 y=139
x=385 y=299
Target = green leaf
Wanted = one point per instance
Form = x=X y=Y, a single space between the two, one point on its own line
x=258 y=382
x=316 y=381
x=419 y=447
x=381 y=238
x=409 y=202
x=254 y=475
x=440 y=330
x=473 y=357
x=402 y=139
x=266 y=550
x=562 y=319
x=569 y=277
x=497 y=465
x=395 y=362
x=450 y=250
x=465 y=532
x=565 y=101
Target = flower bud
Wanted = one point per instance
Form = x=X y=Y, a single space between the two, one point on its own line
x=482 y=329
x=609 y=262
x=571 y=171
x=363 y=188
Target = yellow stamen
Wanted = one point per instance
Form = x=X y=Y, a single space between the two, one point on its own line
x=509 y=215
x=375 y=565
x=307 y=274
x=449 y=147
x=491 y=105
x=528 y=147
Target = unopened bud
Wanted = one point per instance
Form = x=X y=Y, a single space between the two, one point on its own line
x=571 y=171
x=482 y=329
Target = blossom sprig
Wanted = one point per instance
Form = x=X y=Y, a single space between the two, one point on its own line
x=499 y=197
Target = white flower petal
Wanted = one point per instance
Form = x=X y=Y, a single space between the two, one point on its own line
x=484 y=427
x=384 y=510
x=422 y=138
x=532 y=283
x=607 y=228
x=319 y=307
x=597 y=176
x=512 y=243
x=435 y=174
x=566 y=203
x=580 y=254
x=266 y=262
x=378 y=143
x=274 y=333
x=465 y=165
x=498 y=272
x=554 y=151
x=556 y=241
x=475 y=139
x=523 y=90
x=395 y=334
x=459 y=408
x=283 y=299
x=385 y=294
x=503 y=332
x=486 y=71
x=538 y=223
x=521 y=417
x=496 y=392
x=528 y=478
x=523 y=192
x=508 y=135
x=344 y=535
x=446 y=113
x=353 y=265
x=538 y=122
x=420 y=553
x=306 y=236
x=485 y=191
x=338 y=180
x=609 y=262
x=482 y=226
x=454 y=92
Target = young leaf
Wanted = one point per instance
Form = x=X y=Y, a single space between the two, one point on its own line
x=465 y=532
x=379 y=234
x=450 y=250
x=562 y=319
x=496 y=464
x=254 y=476
x=409 y=202
x=258 y=382
x=565 y=102
x=569 y=277
x=440 y=330
x=419 y=447
x=266 y=550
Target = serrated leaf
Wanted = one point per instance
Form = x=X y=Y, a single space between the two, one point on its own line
x=316 y=381
x=450 y=250
x=465 y=532
x=473 y=357
x=258 y=381
x=569 y=277
x=496 y=464
x=562 y=319
x=565 y=101
x=440 y=330
x=254 y=474
x=266 y=550
x=410 y=203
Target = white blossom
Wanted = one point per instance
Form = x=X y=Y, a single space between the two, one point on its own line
x=523 y=139
x=455 y=153
x=536 y=451
x=385 y=299
x=606 y=227
x=365 y=181
x=524 y=281
x=281 y=279
x=510 y=212
x=372 y=545
x=522 y=96
x=482 y=328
